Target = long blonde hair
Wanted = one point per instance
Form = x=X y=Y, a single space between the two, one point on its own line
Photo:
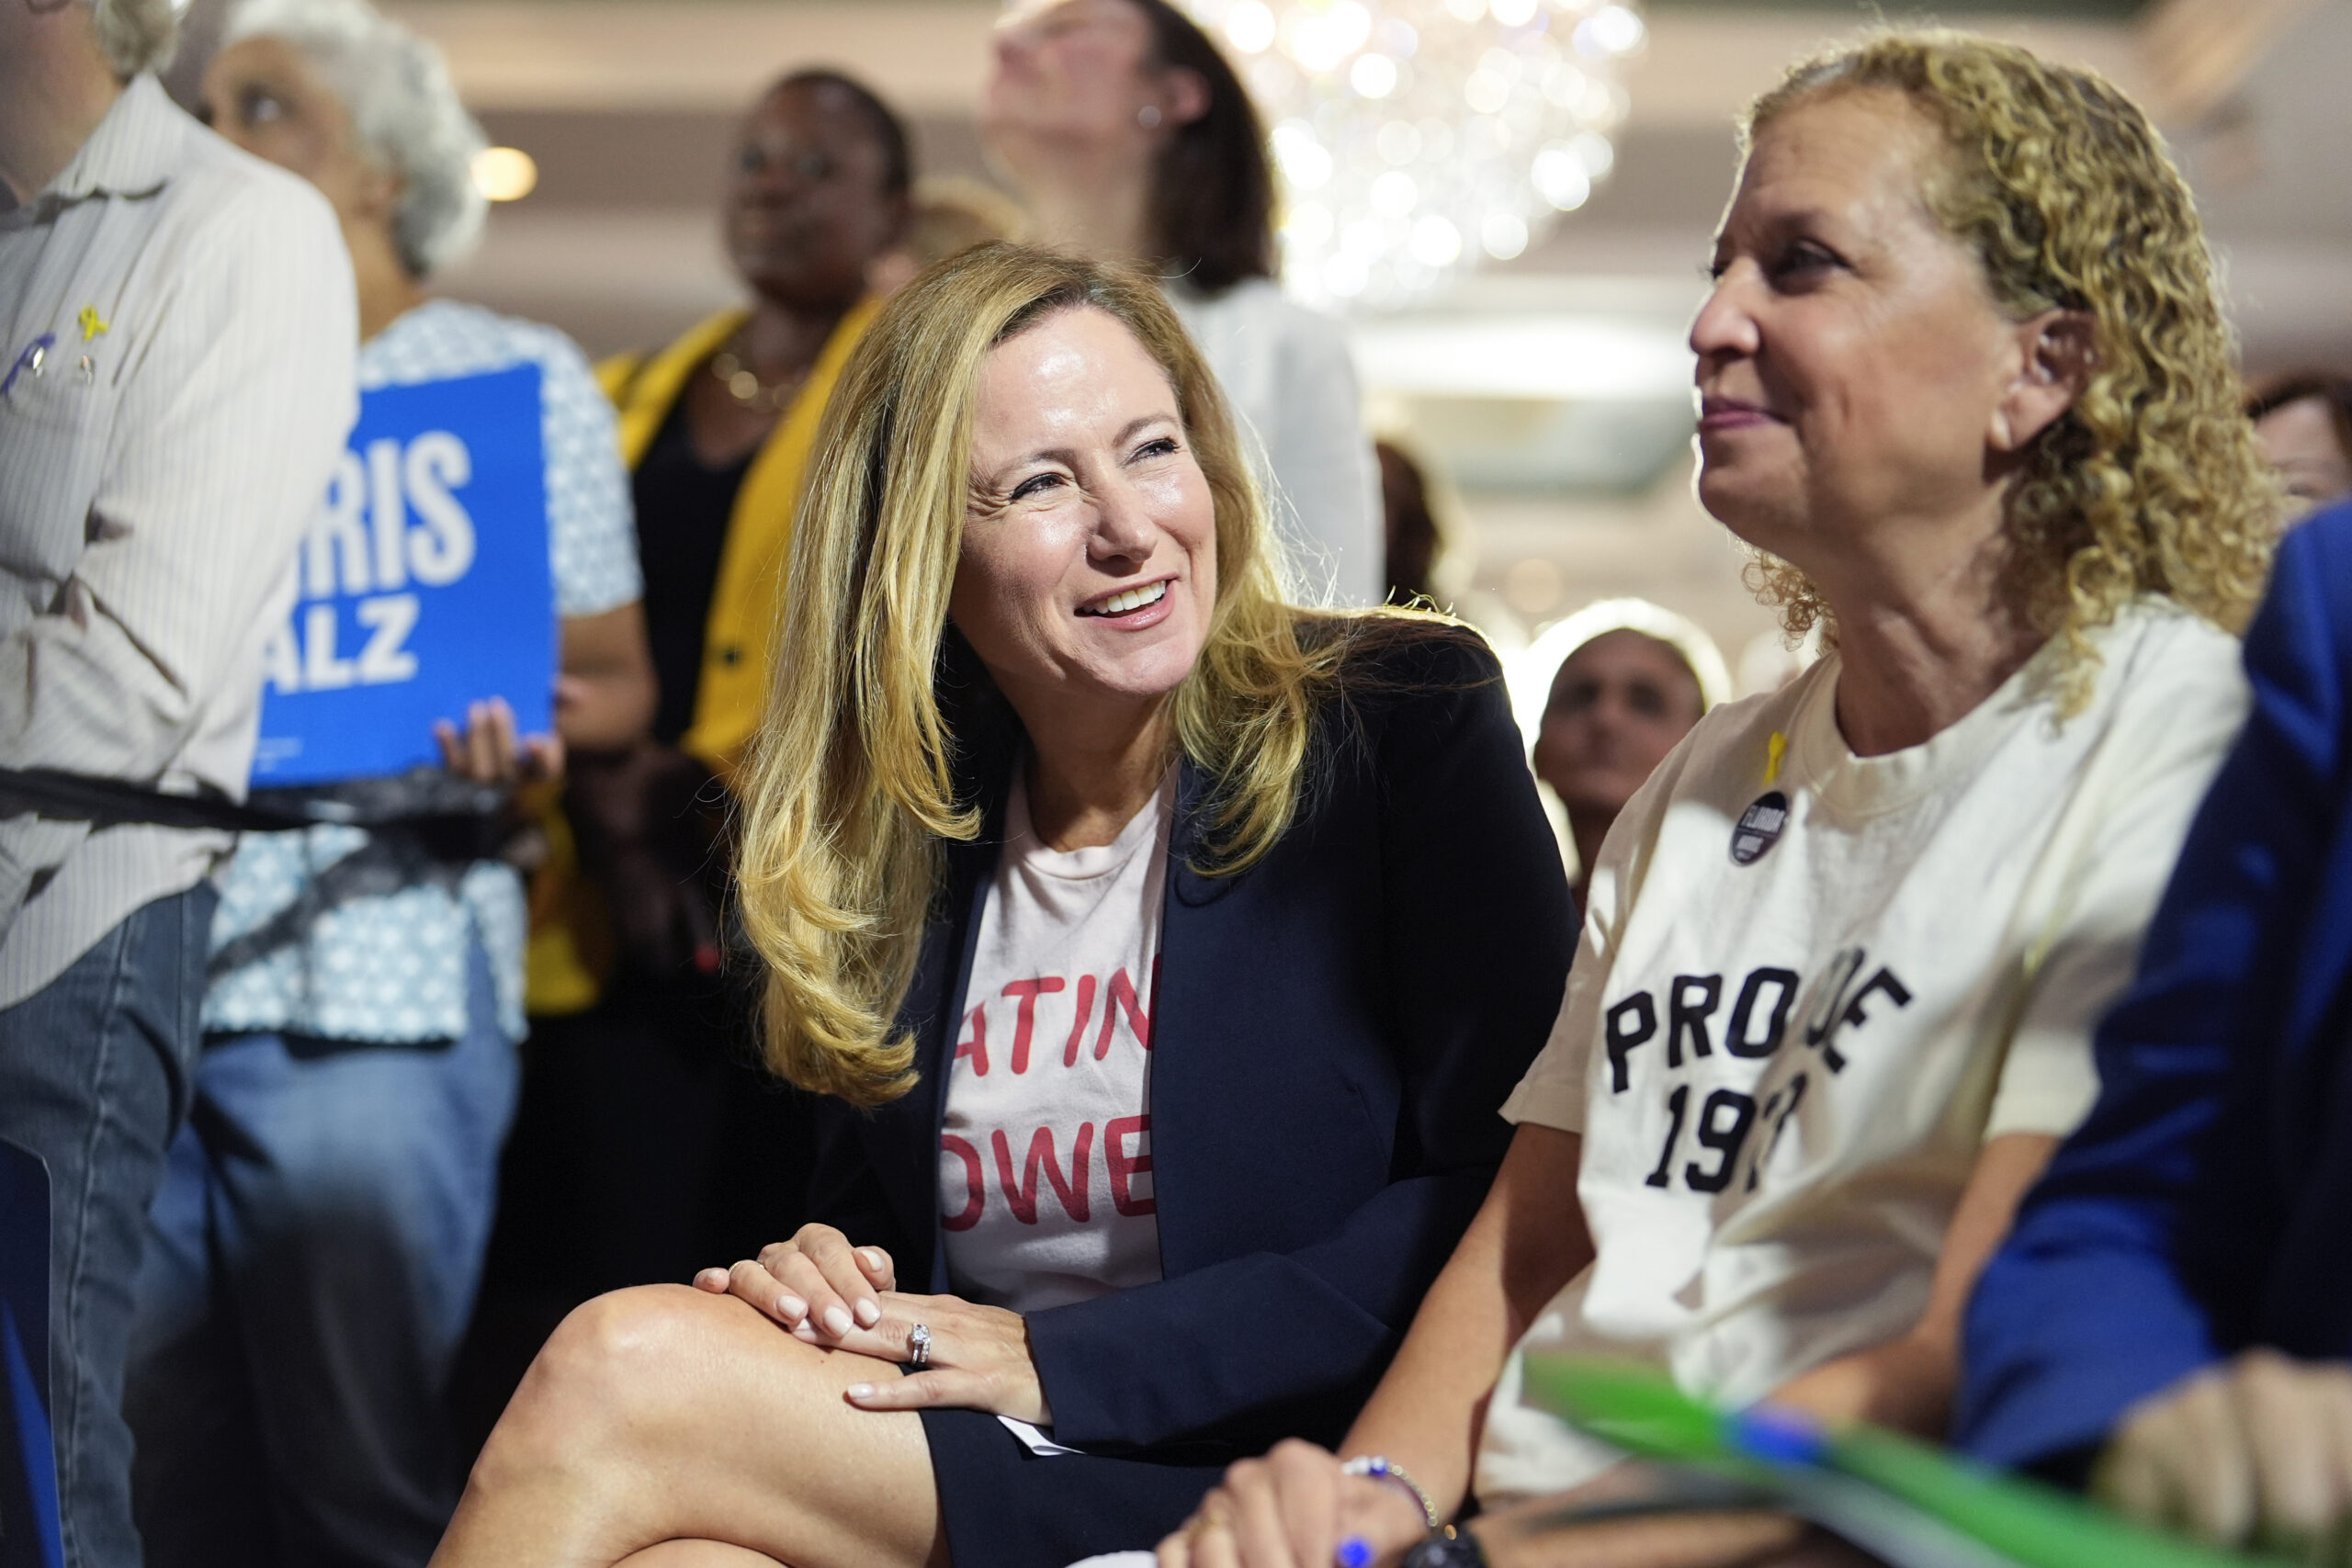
x=852 y=787
x=2151 y=483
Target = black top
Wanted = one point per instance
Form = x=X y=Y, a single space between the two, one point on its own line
x=1337 y=1029
x=683 y=510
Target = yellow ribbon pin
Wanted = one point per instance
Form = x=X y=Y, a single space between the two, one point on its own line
x=91 y=322
x=1774 y=750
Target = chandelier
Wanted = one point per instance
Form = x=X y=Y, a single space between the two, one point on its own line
x=1416 y=137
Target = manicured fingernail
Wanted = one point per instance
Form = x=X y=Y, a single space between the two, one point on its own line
x=711 y=1278
x=1354 y=1552
x=802 y=1332
x=860 y=1391
x=873 y=1260
x=868 y=1313
x=792 y=1308
x=837 y=1322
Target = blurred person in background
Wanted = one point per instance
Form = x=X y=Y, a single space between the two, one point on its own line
x=947 y=216
x=315 y=1250
x=1427 y=556
x=1843 y=955
x=1413 y=537
x=1627 y=681
x=2304 y=422
x=176 y=336
x=1131 y=139
x=649 y=1141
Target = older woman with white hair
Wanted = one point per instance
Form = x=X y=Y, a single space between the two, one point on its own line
x=313 y=1256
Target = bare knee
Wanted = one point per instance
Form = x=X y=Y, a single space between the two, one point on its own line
x=614 y=1375
x=697 y=1554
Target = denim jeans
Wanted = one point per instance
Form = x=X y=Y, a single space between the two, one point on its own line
x=311 y=1264
x=93 y=1079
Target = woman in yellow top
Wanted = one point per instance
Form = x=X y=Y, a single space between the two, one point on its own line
x=640 y=1073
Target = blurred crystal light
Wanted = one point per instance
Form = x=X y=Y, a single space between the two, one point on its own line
x=1415 y=138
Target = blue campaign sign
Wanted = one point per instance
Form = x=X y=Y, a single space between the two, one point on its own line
x=423 y=586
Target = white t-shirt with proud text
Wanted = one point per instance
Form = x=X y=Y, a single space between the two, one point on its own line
x=1044 y=1155
x=1803 y=1004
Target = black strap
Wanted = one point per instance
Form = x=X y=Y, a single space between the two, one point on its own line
x=113 y=803
x=454 y=818
x=390 y=861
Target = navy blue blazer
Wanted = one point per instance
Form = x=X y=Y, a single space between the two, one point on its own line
x=1336 y=1032
x=2206 y=1206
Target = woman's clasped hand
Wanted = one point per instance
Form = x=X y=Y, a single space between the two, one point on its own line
x=841 y=1297
x=2254 y=1451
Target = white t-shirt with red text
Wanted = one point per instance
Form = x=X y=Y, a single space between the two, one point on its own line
x=1045 y=1153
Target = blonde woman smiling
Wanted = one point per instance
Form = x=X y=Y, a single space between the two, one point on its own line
x=1167 y=950
x=1964 y=374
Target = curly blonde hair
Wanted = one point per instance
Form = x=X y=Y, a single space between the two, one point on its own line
x=853 y=785
x=2151 y=483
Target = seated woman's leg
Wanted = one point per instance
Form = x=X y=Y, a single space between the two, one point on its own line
x=665 y=1414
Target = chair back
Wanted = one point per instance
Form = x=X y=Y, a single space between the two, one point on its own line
x=28 y=1532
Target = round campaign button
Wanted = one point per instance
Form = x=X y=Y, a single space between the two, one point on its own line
x=1759 y=827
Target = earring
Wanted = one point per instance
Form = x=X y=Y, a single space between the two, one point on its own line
x=1148 y=117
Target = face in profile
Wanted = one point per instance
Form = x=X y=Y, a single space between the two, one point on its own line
x=1618 y=705
x=1089 y=565
x=2301 y=441
x=1072 y=69
x=1851 y=358
x=261 y=93
x=805 y=207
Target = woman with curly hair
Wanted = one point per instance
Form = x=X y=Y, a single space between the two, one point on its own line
x=1165 y=951
x=1964 y=387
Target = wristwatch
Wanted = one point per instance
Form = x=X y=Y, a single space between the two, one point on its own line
x=1447 y=1547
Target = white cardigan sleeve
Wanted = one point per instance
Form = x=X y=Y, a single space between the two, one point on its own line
x=1290 y=377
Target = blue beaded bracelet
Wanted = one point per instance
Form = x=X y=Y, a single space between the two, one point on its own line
x=1380 y=1469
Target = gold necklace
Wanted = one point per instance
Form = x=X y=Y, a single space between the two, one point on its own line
x=744 y=385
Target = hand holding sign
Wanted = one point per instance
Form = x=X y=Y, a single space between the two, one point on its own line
x=488 y=750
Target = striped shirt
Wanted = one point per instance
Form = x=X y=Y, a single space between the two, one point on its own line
x=178 y=334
